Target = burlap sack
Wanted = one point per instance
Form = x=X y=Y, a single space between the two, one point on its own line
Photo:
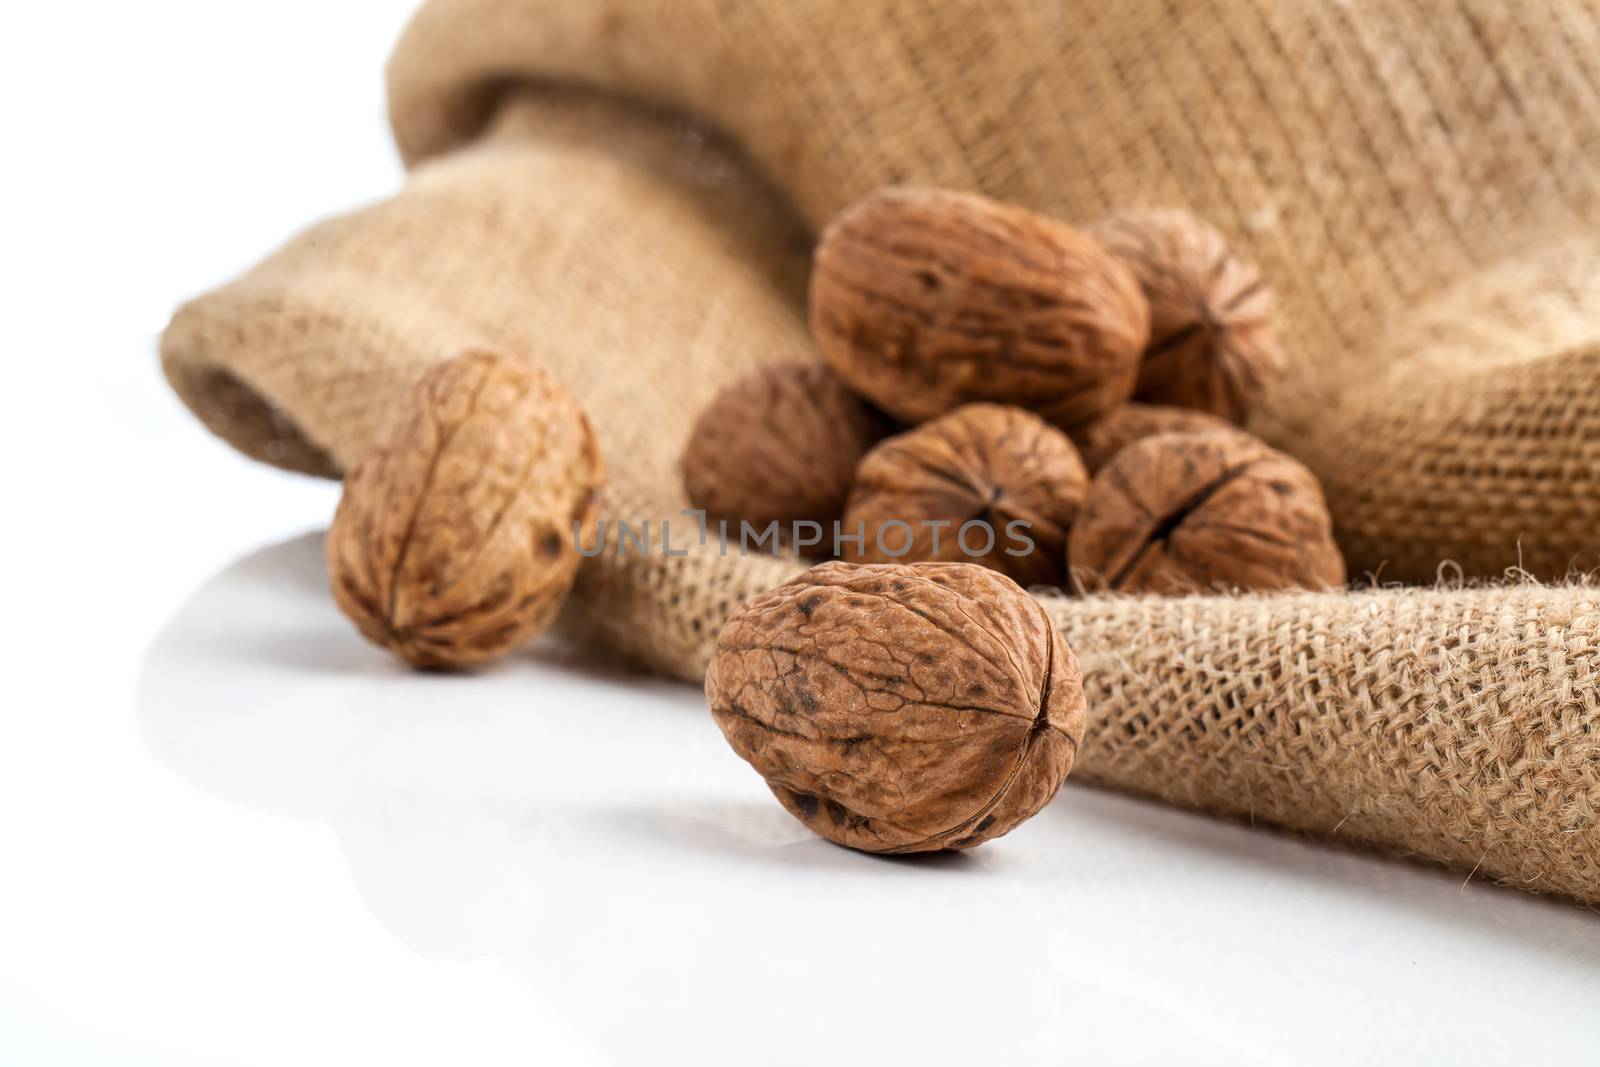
x=1419 y=184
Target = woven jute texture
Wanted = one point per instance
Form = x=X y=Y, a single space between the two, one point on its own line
x=626 y=192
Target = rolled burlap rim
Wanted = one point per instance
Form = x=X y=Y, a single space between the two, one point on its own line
x=562 y=207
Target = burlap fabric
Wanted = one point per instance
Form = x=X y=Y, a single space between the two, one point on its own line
x=626 y=192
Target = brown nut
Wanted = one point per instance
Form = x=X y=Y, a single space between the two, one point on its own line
x=924 y=300
x=900 y=708
x=1181 y=513
x=1211 y=342
x=1104 y=438
x=455 y=537
x=984 y=484
x=780 y=444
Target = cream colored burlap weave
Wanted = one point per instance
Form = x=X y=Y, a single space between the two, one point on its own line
x=1421 y=183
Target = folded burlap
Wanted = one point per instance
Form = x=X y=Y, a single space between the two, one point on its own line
x=626 y=192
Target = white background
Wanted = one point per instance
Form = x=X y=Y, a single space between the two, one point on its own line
x=231 y=833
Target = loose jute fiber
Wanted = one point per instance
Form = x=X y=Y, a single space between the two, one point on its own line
x=626 y=192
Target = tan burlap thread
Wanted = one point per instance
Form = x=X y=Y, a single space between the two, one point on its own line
x=1421 y=190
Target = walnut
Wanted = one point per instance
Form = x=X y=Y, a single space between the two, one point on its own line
x=900 y=708
x=925 y=300
x=984 y=484
x=1180 y=513
x=780 y=444
x=1211 y=342
x=1104 y=438
x=455 y=538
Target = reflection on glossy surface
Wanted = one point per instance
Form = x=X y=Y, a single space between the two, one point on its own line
x=588 y=830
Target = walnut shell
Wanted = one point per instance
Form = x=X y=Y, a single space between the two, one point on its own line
x=1104 y=438
x=1180 y=513
x=900 y=708
x=1212 y=346
x=986 y=464
x=454 y=540
x=780 y=444
x=924 y=300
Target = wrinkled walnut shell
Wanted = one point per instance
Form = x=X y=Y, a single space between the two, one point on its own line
x=454 y=539
x=900 y=708
x=1104 y=438
x=925 y=300
x=985 y=464
x=1211 y=342
x=1182 y=513
x=780 y=444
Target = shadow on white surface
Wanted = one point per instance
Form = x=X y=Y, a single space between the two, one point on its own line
x=588 y=830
